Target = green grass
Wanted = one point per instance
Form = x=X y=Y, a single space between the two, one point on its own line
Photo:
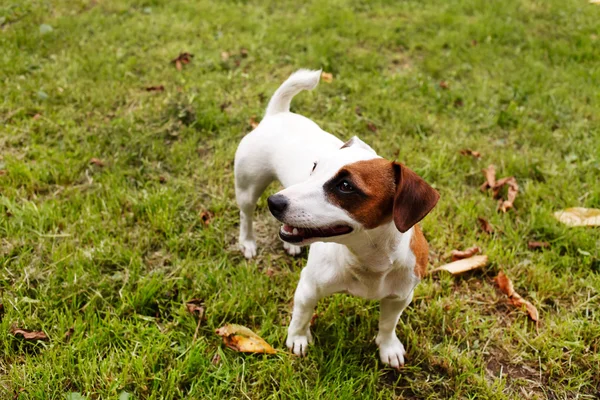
x=116 y=251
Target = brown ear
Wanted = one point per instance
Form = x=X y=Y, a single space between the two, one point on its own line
x=414 y=198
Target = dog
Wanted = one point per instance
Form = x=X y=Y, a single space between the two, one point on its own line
x=356 y=210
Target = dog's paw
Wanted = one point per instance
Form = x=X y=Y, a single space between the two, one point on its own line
x=391 y=351
x=298 y=344
x=291 y=249
x=248 y=247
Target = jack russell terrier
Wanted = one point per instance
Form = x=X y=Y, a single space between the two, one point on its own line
x=358 y=212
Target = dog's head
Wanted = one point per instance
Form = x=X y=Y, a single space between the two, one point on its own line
x=351 y=191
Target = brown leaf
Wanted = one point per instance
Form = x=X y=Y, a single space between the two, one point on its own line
x=270 y=272
x=371 y=126
x=327 y=77
x=28 y=335
x=224 y=55
x=182 y=58
x=464 y=265
x=206 y=217
x=469 y=152
x=240 y=338
x=513 y=189
x=485 y=225
x=538 y=245
x=159 y=88
x=97 y=162
x=579 y=216
x=196 y=307
x=253 y=123
x=444 y=85
x=490 y=177
x=459 y=255
x=506 y=286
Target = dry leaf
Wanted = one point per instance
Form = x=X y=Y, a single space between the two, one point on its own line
x=469 y=152
x=485 y=225
x=327 y=77
x=28 y=335
x=579 y=216
x=513 y=189
x=159 y=88
x=206 y=216
x=506 y=286
x=98 y=162
x=464 y=265
x=490 y=177
x=253 y=123
x=538 y=245
x=182 y=58
x=371 y=126
x=196 y=307
x=444 y=85
x=459 y=255
x=240 y=338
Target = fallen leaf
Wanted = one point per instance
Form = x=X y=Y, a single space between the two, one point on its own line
x=464 y=265
x=270 y=272
x=327 y=77
x=490 y=177
x=538 y=245
x=216 y=360
x=444 y=85
x=28 y=335
x=240 y=338
x=469 y=152
x=513 y=189
x=182 y=58
x=253 y=123
x=459 y=255
x=159 y=88
x=98 y=162
x=224 y=56
x=485 y=225
x=371 y=126
x=206 y=216
x=579 y=216
x=506 y=286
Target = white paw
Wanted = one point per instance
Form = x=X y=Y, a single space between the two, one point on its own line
x=248 y=247
x=291 y=249
x=298 y=344
x=391 y=351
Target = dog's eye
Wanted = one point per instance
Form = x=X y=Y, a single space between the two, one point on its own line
x=314 y=166
x=345 y=187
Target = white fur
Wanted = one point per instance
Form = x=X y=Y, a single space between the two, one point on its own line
x=375 y=264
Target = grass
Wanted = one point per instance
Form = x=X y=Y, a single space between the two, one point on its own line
x=115 y=251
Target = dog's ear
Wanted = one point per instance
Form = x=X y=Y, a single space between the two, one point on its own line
x=414 y=198
x=356 y=142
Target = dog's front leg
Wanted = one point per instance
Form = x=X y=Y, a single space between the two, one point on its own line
x=391 y=349
x=305 y=300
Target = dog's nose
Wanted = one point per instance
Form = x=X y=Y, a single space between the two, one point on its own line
x=278 y=203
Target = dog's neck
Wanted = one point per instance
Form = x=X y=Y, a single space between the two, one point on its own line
x=380 y=249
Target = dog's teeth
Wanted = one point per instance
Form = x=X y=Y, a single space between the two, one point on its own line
x=295 y=231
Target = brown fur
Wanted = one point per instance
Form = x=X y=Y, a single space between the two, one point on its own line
x=373 y=201
x=420 y=249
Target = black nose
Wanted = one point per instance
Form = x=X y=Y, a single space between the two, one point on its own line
x=278 y=203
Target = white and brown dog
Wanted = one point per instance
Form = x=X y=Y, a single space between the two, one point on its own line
x=357 y=210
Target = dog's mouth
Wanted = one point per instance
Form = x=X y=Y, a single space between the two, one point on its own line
x=293 y=234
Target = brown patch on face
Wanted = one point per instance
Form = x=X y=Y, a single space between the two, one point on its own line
x=372 y=200
x=420 y=249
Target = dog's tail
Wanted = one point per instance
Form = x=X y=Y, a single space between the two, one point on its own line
x=300 y=80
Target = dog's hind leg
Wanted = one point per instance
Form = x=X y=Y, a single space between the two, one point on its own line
x=247 y=192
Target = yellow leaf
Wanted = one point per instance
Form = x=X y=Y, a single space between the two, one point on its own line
x=464 y=265
x=240 y=338
x=327 y=77
x=579 y=216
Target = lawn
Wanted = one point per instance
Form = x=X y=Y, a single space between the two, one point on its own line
x=103 y=254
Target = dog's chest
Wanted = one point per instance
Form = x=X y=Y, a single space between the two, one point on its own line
x=397 y=282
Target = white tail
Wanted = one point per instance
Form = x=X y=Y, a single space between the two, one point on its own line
x=300 y=80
